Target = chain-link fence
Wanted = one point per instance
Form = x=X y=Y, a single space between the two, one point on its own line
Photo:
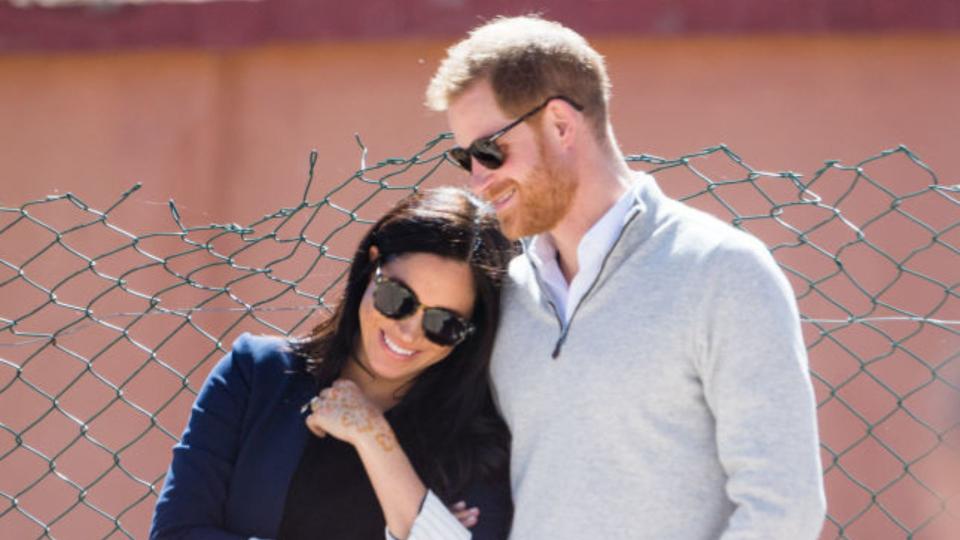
x=106 y=334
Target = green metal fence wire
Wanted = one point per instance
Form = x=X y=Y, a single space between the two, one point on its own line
x=106 y=334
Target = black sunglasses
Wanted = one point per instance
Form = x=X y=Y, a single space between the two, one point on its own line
x=395 y=300
x=487 y=151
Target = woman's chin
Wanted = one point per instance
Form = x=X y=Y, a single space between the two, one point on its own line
x=389 y=365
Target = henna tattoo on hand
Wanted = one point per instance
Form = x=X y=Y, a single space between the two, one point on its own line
x=346 y=414
x=386 y=440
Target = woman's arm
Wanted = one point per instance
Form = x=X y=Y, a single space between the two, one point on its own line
x=191 y=503
x=411 y=512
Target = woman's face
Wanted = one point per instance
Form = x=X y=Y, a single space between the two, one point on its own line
x=398 y=350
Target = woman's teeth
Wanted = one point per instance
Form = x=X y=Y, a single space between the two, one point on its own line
x=396 y=348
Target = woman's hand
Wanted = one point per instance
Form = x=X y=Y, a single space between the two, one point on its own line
x=345 y=413
x=466 y=516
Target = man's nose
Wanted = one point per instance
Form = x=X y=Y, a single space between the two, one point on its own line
x=480 y=177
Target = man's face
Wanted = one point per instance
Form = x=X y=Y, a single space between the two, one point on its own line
x=531 y=191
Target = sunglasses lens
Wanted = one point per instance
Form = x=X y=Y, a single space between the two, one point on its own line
x=461 y=157
x=443 y=327
x=485 y=151
x=394 y=300
x=488 y=153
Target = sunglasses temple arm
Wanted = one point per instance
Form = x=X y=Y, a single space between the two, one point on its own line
x=516 y=122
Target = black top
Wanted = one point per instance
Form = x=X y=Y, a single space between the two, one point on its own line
x=330 y=492
x=350 y=509
x=347 y=511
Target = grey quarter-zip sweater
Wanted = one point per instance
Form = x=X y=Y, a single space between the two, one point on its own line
x=676 y=404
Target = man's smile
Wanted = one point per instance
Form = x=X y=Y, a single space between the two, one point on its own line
x=501 y=201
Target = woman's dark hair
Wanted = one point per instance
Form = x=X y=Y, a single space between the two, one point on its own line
x=448 y=410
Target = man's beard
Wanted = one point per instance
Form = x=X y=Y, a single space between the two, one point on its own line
x=542 y=200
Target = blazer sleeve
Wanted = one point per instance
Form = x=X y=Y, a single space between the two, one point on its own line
x=493 y=499
x=191 y=505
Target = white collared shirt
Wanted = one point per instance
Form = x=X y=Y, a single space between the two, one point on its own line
x=434 y=522
x=593 y=248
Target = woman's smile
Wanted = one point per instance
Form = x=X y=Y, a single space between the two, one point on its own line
x=392 y=347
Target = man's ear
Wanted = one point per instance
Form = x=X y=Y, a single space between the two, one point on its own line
x=564 y=121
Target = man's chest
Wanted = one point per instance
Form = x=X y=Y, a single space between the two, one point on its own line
x=629 y=345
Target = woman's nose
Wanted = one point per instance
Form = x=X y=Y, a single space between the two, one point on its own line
x=409 y=327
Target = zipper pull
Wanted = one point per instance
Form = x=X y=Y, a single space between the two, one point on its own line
x=559 y=345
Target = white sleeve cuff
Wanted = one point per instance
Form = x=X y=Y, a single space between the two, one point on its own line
x=435 y=522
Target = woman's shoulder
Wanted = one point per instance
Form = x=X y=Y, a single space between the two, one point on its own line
x=265 y=353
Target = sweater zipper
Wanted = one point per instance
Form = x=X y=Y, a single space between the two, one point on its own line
x=543 y=289
x=565 y=330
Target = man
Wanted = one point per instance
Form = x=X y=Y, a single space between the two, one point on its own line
x=649 y=363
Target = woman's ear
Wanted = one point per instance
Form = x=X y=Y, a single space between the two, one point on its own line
x=374 y=253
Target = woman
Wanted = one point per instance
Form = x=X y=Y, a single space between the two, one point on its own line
x=396 y=393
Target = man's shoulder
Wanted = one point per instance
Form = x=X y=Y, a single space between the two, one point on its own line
x=702 y=231
x=520 y=269
x=723 y=253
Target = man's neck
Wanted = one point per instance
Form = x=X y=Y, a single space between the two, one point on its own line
x=601 y=183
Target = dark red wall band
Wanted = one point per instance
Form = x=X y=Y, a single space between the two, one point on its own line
x=238 y=23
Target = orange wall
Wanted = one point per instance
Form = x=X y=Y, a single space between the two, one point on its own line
x=227 y=136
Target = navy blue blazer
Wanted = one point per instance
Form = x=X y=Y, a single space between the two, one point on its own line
x=232 y=468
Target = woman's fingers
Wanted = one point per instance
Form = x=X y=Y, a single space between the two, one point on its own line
x=466 y=516
x=319 y=406
x=314 y=427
